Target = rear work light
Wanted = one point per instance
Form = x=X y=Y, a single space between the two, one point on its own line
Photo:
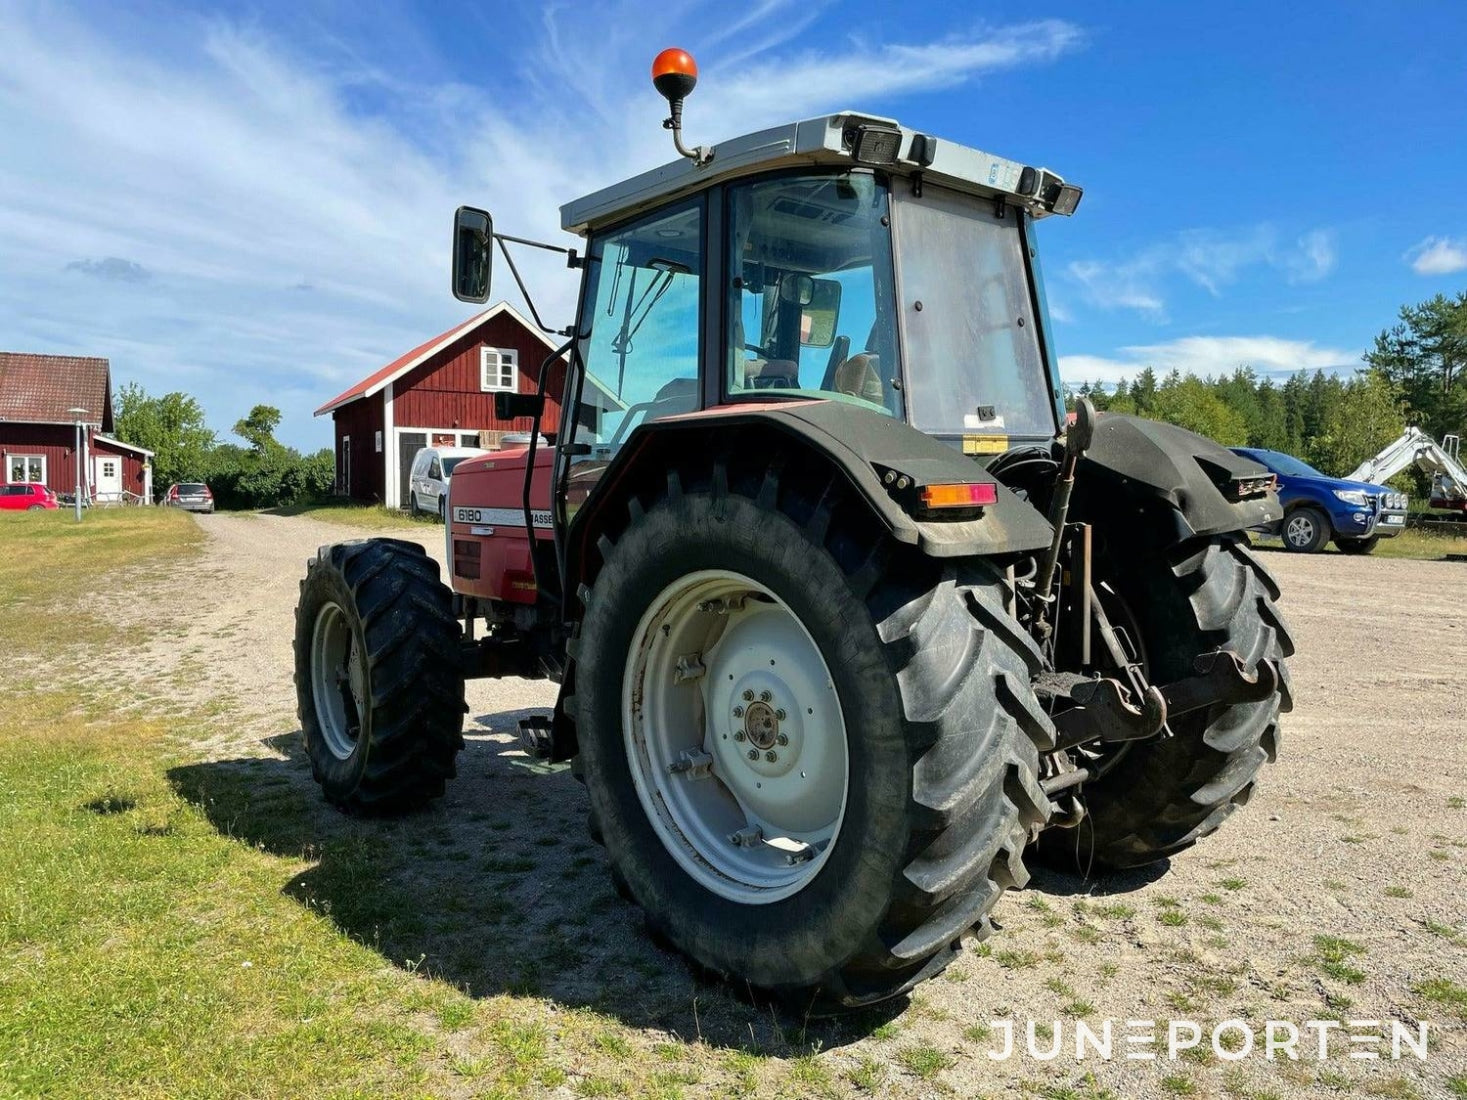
x=962 y=495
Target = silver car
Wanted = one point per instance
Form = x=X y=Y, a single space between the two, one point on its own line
x=194 y=496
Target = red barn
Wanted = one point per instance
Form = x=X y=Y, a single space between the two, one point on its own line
x=439 y=394
x=38 y=434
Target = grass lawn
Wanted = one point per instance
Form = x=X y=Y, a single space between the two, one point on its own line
x=370 y=516
x=1411 y=543
x=46 y=554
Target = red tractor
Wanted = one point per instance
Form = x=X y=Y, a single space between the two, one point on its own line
x=849 y=618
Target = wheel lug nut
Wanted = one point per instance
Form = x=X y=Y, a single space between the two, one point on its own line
x=748 y=695
x=766 y=696
x=738 y=712
x=739 y=735
x=771 y=756
x=783 y=739
x=780 y=716
x=753 y=754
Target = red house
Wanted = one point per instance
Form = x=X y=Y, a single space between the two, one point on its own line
x=42 y=398
x=439 y=394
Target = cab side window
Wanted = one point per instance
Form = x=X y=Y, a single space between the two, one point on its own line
x=810 y=290
x=640 y=327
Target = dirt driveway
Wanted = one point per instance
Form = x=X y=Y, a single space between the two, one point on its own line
x=1339 y=893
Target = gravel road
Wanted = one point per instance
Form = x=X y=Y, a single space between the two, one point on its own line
x=1358 y=833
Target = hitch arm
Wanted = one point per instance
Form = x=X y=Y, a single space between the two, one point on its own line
x=1221 y=678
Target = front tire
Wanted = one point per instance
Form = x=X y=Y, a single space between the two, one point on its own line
x=413 y=510
x=905 y=675
x=1306 y=530
x=379 y=680
x=1357 y=546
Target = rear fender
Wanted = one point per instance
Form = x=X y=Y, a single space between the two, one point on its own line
x=862 y=446
x=1176 y=471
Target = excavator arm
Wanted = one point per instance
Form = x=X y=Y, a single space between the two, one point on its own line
x=1416 y=448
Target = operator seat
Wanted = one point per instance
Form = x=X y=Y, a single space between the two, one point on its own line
x=859 y=377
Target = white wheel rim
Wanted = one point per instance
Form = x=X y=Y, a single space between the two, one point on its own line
x=719 y=668
x=338 y=681
x=1301 y=530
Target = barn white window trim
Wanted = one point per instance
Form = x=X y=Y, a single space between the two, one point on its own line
x=499 y=370
x=22 y=467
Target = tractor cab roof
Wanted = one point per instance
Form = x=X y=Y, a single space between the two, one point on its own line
x=843 y=140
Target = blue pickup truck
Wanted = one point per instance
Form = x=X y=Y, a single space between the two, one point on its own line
x=1318 y=508
x=1356 y=514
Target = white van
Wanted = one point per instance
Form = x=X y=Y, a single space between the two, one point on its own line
x=428 y=482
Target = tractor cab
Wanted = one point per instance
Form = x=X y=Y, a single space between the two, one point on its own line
x=844 y=259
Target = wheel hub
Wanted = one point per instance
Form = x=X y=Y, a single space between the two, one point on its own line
x=761 y=726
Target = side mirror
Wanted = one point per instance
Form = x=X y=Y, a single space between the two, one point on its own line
x=820 y=314
x=473 y=244
x=513 y=406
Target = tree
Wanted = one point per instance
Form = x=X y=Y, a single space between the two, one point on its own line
x=258 y=428
x=1366 y=417
x=1190 y=403
x=171 y=426
x=1143 y=391
x=1423 y=357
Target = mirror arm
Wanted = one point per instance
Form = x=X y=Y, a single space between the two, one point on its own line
x=524 y=293
x=572 y=260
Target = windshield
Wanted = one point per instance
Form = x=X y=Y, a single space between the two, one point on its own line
x=1284 y=464
x=450 y=463
x=971 y=341
x=810 y=290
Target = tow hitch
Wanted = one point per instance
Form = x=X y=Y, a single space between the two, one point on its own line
x=1103 y=709
x=1221 y=678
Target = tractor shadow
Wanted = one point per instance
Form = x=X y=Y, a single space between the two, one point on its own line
x=495 y=888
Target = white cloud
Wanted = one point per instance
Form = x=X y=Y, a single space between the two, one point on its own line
x=294 y=239
x=1211 y=258
x=1129 y=285
x=1205 y=356
x=1438 y=256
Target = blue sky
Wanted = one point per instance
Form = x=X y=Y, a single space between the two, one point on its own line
x=251 y=202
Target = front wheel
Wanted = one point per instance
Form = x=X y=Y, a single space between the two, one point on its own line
x=812 y=778
x=1357 y=546
x=378 y=676
x=1305 y=530
x=413 y=509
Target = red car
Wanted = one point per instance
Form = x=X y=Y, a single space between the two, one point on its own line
x=25 y=497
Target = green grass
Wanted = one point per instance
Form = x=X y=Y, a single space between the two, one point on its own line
x=1412 y=543
x=367 y=516
x=1445 y=992
x=1331 y=958
x=50 y=560
x=191 y=970
x=924 y=1060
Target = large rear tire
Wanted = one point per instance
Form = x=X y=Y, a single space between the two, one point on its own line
x=905 y=738
x=379 y=680
x=1156 y=798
